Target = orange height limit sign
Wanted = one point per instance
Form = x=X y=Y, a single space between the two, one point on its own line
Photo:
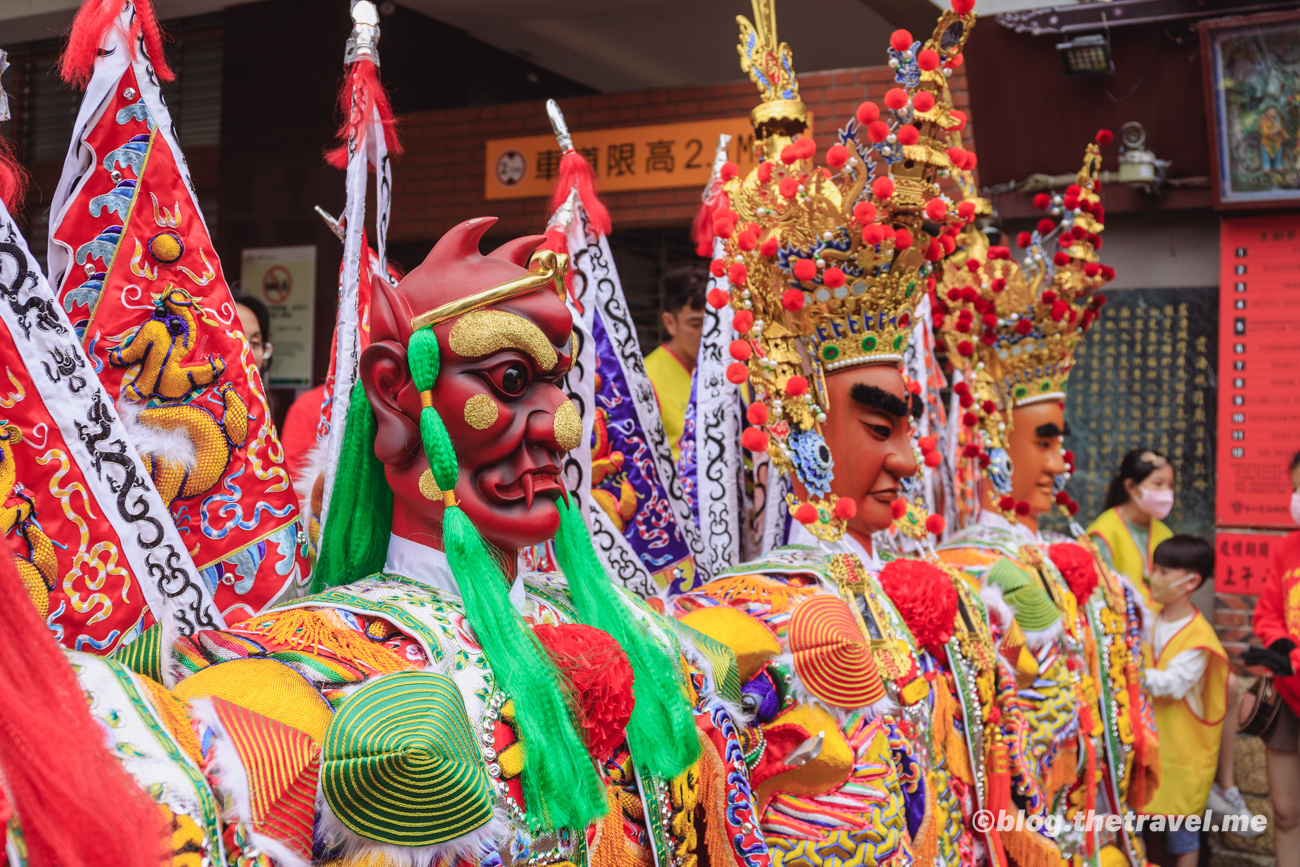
x=632 y=158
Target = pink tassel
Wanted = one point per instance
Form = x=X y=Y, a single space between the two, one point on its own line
x=360 y=92
x=575 y=170
x=92 y=24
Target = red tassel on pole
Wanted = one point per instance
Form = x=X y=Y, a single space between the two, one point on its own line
x=360 y=93
x=13 y=178
x=576 y=171
x=92 y=24
x=702 y=225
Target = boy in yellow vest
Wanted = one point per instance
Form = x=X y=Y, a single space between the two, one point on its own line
x=1188 y=679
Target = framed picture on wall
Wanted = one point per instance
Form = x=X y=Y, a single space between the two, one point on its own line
x=1252 y=91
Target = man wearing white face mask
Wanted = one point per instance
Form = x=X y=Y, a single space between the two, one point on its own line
x=1139 y=498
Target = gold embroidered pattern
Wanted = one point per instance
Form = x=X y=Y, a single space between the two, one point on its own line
x=568 y=426
x=480 y=412
x=483 y=332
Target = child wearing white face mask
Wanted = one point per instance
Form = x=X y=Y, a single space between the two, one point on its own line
x=1187 y=674
x=1140 y=497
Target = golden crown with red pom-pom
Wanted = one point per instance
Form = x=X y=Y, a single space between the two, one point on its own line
x=1012 y=328
x=827 y=261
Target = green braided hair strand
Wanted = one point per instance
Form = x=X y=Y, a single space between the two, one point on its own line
x=661 y=732
x=355 y=542
x=561 y=787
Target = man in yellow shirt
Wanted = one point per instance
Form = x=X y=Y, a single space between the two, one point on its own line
x=670 y=366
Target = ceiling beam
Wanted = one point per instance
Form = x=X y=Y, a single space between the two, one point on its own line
x=1091 y=17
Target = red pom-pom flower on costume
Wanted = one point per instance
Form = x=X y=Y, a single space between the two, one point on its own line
x=1077 y=566
x=599 y=678
x=925 y=598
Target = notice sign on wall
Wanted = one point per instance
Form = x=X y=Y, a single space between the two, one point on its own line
x=633 y=158
x=1242 y=560
x=1259 y=369
x=285 y=278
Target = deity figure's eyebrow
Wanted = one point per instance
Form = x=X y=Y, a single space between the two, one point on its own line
x=483 y=332
x=1050 y=430
x=878 y=398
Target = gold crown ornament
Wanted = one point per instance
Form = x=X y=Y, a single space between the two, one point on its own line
x=1012 y=328
x=828 y=259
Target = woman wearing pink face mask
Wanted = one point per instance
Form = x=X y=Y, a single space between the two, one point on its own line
x=1140 y=496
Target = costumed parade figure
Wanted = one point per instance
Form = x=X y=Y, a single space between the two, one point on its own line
x=865 y=712
x=1075 y=715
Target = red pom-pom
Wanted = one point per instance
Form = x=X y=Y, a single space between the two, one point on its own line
x=796 y=386
x=1059 y=309
x=1024 y=326
x=971 y=450
x=805 y=513
x=718 y=299
x=1061 y=258
x=973 y=265
x=873 y=234
x=806 y=147
x=900 y=40
x=837 y=156
x=742 y=321
x=949 y=244
x=845 y=508
x=925 y=597
x=997 y=284
x=928 y=59
x=764 y=172
x=868 y=112
x=932 y=459
x=753 y=439
x=959 y=117
x=728 y=171
x=747 y=240
x=966 y=348
x=963 y=7
x=804 y=269
x=740 y=350
x=1042 y=201
x=898 y=508
x=1076 y=566
x=718 y=268
x=882 y=188
x=936 y=209
x=1022 y=508
x=936 y=524
x=1105 y=137
x=757 y=413
x=737 y=273
x=724 y=227
x=902 y=239
x=923 y=102
x=961 y=388
x=1007 y=504
x=788 y=187
x=908 y=135
x=877 y=131
x=969 y=160
x=789 y=154
x=1024 y=239
x=934 y=252
x=768 y=248
x=1045 y=226
x=833 y=278
x=895 y=98
x=599 y=680
x=927 y=444
x=969 y=419
x=864 y=213
x=737 y=372
x=956 y=60
x=792 y=300
x=966 y=210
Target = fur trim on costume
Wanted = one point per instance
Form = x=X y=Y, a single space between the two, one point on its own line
x=150 y=441
x=361 y=852
x=226 y=772
x=997 y=606
x=1038 y=639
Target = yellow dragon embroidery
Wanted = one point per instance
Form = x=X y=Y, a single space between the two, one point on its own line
x=39 y=568
x=163 y=380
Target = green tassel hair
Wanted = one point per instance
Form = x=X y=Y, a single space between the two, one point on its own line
x=662 y=732
x=561 y=786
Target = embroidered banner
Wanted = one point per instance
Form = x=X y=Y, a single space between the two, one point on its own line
x=136 y=271
x=91 y=538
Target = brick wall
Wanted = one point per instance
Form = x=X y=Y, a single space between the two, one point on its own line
x=439 y=181
x=1234 y=622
